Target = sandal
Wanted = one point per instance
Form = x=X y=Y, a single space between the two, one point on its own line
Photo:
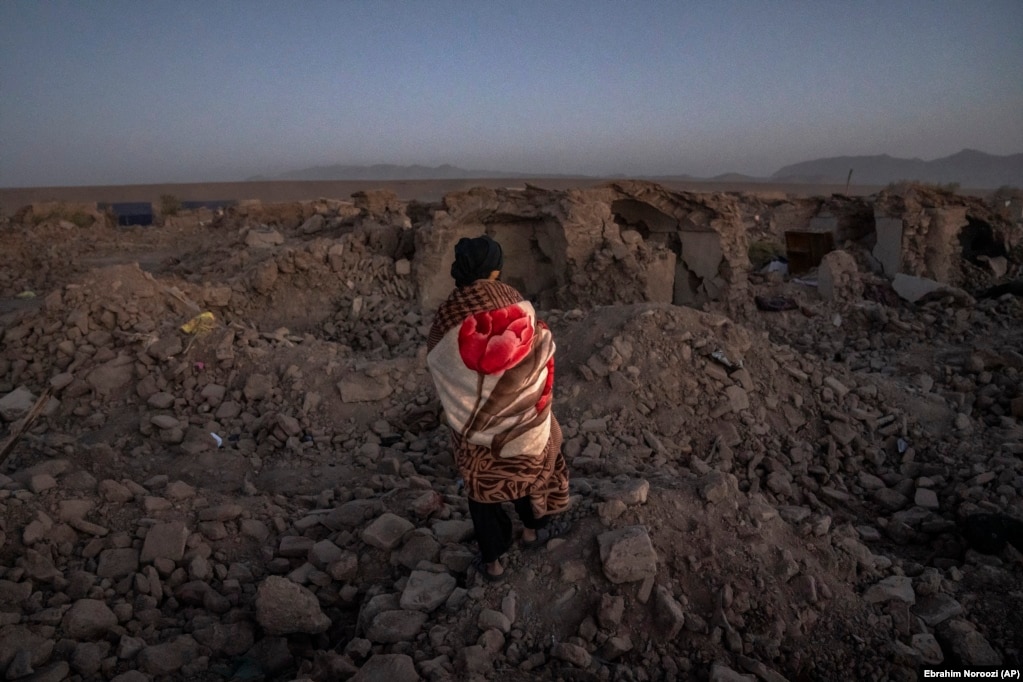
x=555 y=528
x=480 y=567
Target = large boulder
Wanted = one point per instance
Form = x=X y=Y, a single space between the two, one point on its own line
x=88 y=619
x=284 y=608
x=16 y=404
x=16 y=638
x=838 y=277
x=165 y=541
x=425 y=590
x=111 y=376
x=263 y=238
x=386 y=531
x=627 y=554
x=396 y=625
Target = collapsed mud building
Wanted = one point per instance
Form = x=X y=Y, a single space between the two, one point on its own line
x=794 y=430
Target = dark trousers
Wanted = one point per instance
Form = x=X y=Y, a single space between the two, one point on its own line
x=494 y=528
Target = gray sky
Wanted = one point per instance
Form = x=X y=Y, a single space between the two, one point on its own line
x=105 y=92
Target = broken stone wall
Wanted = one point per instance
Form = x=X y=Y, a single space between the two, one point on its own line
x=530 y=225
x=619 y=264
x=706 y=233
x=650 y=222
x=784 y=215
x=435 y=243
x=930 y=243
x=644 y=227
x=925 y=243
x=887 y=251
x=959 y=240
x=849 y=219
x=768 y=218
x=562 y=248
x=696 y=274
x=622 y=243
x=838 y=277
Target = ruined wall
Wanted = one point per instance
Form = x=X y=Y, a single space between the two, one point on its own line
x=919 y=228
x=435 y=243
x=887 y=251
x=697 y=272
x=562 y=248
x=780 y=217
x=632 y=241
x=706 y=233
x=940 y=243
x=532 y=227
x=644 y=218
x=621 y=243
x=847 y=219
x=838 y=277
x=924 y=243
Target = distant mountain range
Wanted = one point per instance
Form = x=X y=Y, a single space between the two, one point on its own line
x=969 y=168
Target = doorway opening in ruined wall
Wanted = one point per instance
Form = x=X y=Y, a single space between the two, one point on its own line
x=977 y=239
x=529 y=264
x=806 y=249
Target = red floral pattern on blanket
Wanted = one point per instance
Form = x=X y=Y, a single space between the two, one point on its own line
x=548 y=386
x=495 y=340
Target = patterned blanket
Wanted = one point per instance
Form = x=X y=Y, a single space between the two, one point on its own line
x=492 y=363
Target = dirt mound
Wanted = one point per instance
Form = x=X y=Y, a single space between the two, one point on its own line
x=225 y=457
x=45 y=256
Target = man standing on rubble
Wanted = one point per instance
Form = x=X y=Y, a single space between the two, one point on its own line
x=492 y=363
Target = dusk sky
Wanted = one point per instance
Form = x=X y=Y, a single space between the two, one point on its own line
x=103 y=92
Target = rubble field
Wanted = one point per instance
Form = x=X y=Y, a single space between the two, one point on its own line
x=223 y=458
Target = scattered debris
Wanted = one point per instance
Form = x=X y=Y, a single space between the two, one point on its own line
x=268 y=492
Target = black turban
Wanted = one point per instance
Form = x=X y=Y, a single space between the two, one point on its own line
x=475 y=259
